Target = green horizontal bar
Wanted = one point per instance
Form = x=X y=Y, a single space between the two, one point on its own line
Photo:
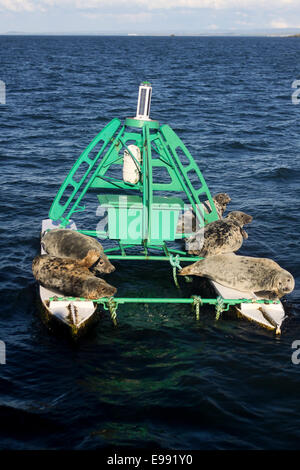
x=116 y=248
x=102 y=234
x=93 y=233
x=141 y=300
x=178 y=252
x=151 y=258
x=175 y=300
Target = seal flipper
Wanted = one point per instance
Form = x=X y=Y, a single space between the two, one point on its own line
x=244 y=234
x=267 y=294
x=90 y=259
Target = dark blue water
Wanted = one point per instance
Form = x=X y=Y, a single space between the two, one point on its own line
x=160 y=379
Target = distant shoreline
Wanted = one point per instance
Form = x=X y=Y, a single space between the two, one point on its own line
x=199 y=35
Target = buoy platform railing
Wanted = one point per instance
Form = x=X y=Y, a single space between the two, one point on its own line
x=221 y=305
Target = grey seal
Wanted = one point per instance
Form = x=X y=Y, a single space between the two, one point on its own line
x=71 y=277
x=188 y=222
x=66 y=243
x=221 y=236
x=221 y=200
x=244 y=273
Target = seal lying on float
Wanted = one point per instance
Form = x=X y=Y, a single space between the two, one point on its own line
x=188 y=221
x=244 y=273
x=66 y=243
x=221 y=236
x=71 y=277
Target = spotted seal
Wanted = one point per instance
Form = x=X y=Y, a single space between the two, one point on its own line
x=221 y=236
x=188 y=222
x=221 y=200
x=71 y=277
x=67 y=243
x=244 y=273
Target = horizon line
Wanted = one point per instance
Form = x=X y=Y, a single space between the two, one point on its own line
x=279 y=32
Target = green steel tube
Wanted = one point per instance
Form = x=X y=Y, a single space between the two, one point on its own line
x=141 y=300
x=151 y=258
x=93 y=233
x=116 y=248
x=175 y=300
x=89 y=183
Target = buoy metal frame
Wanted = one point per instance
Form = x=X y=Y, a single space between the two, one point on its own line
x=161 y=149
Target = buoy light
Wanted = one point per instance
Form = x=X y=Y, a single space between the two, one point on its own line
x=144 y=101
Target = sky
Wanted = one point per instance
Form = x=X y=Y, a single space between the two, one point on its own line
x=148 y=16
